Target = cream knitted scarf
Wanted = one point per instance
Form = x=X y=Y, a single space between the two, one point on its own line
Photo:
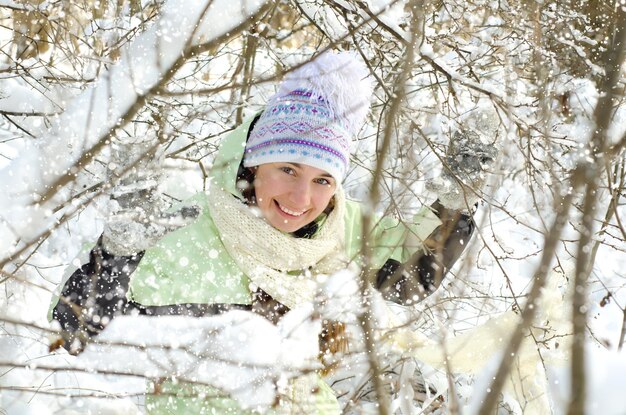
x=280 y=264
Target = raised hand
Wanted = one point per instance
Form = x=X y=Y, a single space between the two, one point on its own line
x=469 y=159
x=138 y=217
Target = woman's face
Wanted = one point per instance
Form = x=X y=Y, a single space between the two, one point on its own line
x=291 y=195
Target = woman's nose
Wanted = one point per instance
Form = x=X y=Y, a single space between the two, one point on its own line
x=301 y=193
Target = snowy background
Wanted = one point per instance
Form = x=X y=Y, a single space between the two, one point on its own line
x=94 y=94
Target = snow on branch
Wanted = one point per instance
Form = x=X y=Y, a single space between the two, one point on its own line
x=35 y=183
x=201 y=351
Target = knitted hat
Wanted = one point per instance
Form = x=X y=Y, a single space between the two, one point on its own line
x=312 y=118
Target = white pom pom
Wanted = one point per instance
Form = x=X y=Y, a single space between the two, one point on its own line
x=342 y=79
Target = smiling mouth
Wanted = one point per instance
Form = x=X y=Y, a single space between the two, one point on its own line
x=289 y=211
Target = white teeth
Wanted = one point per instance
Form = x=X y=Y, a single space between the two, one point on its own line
x=291 y=212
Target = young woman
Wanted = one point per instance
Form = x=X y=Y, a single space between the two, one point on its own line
x=275 y=209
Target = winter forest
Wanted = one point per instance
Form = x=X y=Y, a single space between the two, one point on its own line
x=111 y=100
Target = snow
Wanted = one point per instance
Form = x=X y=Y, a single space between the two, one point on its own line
x=16 y=97
x=470 y=314
x=605 y=393
x=144 y=64
x=205 y=351
x=208 y=351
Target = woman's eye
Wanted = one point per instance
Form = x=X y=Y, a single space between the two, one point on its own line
x=287 y=170
x=323 y=181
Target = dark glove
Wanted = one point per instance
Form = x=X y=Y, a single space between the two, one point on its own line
x=93 y=295
x=409 y=282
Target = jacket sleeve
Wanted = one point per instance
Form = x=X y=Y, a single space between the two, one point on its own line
x=93 y=295
x=410 y=281
x=388 y=237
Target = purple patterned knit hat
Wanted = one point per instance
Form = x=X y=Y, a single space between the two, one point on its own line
x=312 y=118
